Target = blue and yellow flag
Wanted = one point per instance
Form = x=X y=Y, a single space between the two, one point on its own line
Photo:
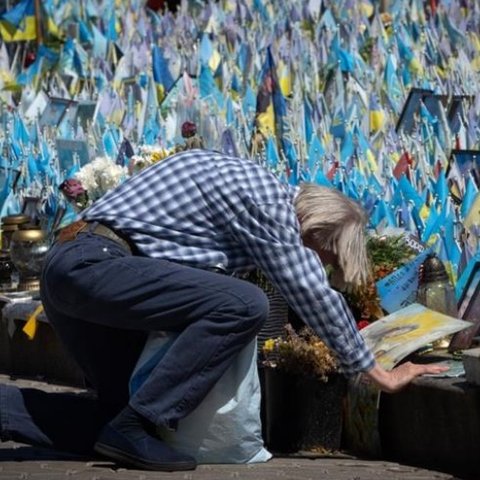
x=376 y=113
x=18 y=23
x=161 y=72
x=392 y=86
x=271 y=107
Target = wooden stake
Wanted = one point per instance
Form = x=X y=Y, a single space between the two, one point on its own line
x=38 y=21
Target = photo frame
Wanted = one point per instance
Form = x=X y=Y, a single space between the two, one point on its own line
x=468 y=309
x=37 y=107
x=394 y=337
x=69 y=119
x=130 y=85
x=72 y=152
x=467 y=161
x=55 y=111
x=456 y=111
x=85 y=113
x=406 y=121
x=435 y=103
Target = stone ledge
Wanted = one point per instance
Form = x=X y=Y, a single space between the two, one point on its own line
x=471 y=361
x=434 y=423
x=42 y=357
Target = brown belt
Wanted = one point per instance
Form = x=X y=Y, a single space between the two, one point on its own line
x=70 y=232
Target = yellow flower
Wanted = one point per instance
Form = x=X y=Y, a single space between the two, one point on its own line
x=269 y=345
x=159 y=154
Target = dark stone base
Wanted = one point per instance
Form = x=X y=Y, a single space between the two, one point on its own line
x=301 y=413
x=433 y=423
x=43 y=357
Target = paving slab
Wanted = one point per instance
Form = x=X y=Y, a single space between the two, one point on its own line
x=19 y=461
x=24 y=462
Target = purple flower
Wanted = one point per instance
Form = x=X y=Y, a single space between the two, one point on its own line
x=74 y=193
x=189 y=129
x=72 y=188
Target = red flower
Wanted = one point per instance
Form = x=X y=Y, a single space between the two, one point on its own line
x=189 y=129
x=362 y=324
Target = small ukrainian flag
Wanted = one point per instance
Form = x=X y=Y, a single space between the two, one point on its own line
x=18 y=23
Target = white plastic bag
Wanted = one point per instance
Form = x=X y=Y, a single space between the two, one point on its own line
x=226 y=426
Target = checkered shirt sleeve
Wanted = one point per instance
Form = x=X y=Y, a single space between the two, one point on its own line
x=270 y=234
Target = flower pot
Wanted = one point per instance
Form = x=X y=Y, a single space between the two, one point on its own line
x=301 y=413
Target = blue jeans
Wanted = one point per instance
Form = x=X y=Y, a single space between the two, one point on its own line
x=102 y=302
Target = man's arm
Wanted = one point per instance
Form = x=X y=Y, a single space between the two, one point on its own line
x=297 y=272
x=270 y=234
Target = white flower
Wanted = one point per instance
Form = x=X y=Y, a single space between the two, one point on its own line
x=147 y=155
x=100 y=175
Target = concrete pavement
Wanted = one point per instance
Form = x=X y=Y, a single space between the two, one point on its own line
x=25 y=462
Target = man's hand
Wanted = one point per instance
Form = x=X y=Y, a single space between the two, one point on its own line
x=394 y=380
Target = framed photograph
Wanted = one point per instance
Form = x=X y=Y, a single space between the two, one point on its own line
x=469 y=290
x=55 y=111
x=468 y=309
x=406 y=121
x=435 y=103
x=467 y=161
x=456 y=111
x=72 y=152
x=401 y=333
x=37 y=107
x=70 y=117
x=131 y=86
x=85 y=113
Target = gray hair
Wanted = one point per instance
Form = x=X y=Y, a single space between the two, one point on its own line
x=335 y=223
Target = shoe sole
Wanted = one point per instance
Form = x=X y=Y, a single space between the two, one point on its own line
x=124 y=458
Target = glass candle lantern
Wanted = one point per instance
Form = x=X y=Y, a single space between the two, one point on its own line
x=436 y=292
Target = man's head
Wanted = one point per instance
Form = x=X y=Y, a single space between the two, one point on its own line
x=334 y=226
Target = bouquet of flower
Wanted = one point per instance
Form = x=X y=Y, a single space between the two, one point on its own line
x=92 y=181
x=387 y=253
x=300 y=353
x=147 y=156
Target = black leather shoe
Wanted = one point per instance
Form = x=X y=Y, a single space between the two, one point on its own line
x=130 y=444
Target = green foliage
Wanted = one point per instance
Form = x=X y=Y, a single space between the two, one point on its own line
x=389 y=252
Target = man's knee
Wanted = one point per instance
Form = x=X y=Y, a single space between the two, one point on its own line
x=253 y=304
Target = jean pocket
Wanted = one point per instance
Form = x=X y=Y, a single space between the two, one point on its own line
x=71 y=272
x=95 y=249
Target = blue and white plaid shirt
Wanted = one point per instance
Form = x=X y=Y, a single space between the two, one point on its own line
x=204 y=209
